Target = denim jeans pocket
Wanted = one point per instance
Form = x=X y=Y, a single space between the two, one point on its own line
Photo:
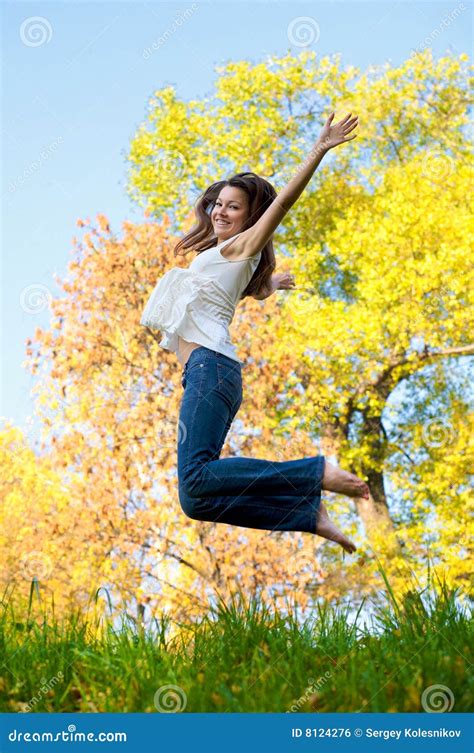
x=196 y=372
x=194 y=362
x=229 y=376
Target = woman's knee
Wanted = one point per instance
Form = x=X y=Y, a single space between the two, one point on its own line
x=190 y=484
x=190 y=509
x=190 y=505
x=199 y=509
x=186 y=490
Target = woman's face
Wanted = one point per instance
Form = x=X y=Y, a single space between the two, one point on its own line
x=230 y=212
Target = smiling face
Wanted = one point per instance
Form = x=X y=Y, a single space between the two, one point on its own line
x=230 y=212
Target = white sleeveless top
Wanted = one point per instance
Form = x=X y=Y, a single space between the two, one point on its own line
x=198 y=303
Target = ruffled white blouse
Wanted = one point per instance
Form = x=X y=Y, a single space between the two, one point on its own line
x=198 y=303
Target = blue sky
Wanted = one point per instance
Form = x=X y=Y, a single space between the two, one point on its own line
x=76 y=83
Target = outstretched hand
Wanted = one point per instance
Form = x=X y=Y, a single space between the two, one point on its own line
x=333 y=135
x=283 y=281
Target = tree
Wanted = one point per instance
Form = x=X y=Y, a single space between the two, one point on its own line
x=43 y=532
x=357 y=363
x=379 y=240
x=108 y=400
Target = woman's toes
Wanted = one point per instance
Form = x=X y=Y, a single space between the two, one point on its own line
x=358 y=488
x=327 y=530
x=346 y=543
x=349 y=546
x=343 y=482
x=363 y=489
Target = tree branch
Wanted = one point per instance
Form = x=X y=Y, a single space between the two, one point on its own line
x=383 y=380
x=177 y=557
x=393 y=444
x=395 y=148
x=176 y=588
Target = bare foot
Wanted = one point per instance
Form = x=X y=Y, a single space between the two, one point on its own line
x=327 y=530
x=343 y=482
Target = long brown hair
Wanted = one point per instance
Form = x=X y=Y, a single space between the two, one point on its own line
x=260 y=195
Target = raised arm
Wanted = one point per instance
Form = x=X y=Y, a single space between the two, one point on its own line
x=252 y=240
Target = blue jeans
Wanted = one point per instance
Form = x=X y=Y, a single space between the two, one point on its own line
x=243 y=491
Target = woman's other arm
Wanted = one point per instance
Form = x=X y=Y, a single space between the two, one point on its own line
x=279 y=281
x=252 y=240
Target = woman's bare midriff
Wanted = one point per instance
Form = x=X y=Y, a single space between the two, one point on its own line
x=185 y=349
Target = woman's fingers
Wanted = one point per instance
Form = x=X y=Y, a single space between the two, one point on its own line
x=338 y=133
x=350 y=128
x=350 y=123
x=344 y=123
x=287 y=280
x=341 y=122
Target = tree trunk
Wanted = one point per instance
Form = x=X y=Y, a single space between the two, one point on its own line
x=374 y=511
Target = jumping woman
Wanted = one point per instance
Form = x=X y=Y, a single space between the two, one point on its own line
x=193 y=308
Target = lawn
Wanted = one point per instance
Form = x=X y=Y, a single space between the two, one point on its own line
x=245 y=656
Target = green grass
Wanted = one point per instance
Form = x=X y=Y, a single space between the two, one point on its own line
x=243 y=657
